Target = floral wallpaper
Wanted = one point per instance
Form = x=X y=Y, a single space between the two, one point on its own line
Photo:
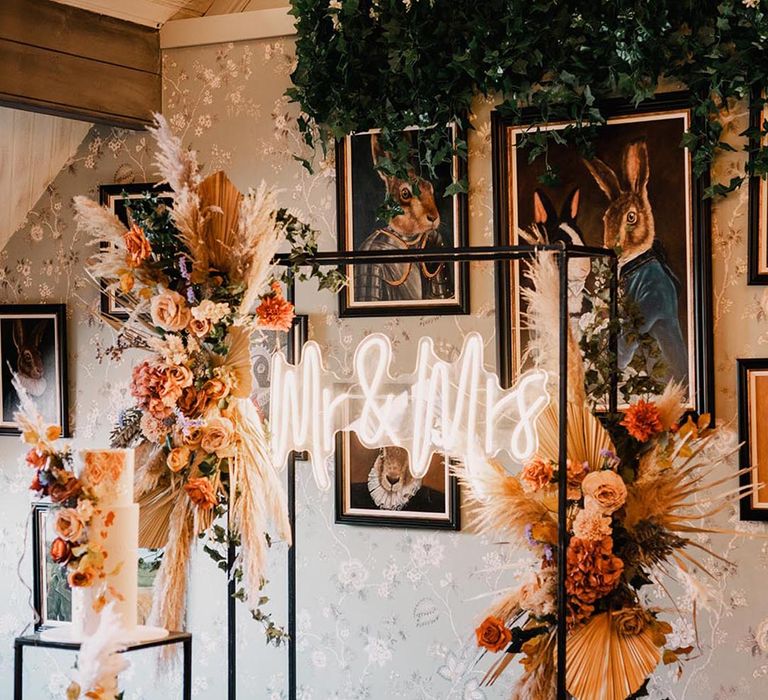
x=382 y=613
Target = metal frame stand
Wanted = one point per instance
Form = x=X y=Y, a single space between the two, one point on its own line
x=34 y=640
x=500 y=255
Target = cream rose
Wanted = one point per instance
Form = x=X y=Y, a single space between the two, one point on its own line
x=200 y=327
x=178 y=458
x=604 y=491
x=169 y=311
x=69 y=525
x=218 y=437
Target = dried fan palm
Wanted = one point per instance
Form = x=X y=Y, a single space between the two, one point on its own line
x=220 y=206
x=604 y=664
x=587 y=437
x=238 y=361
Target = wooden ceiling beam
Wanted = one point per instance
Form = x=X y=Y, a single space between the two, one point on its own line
x=70 y=62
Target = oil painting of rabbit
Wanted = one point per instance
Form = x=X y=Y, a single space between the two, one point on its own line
x=32 y=350
x=419 y=218
x=634 y=193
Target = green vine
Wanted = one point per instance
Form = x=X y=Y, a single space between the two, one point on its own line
x=391 y=64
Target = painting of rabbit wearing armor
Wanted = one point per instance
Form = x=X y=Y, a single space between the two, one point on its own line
x=419 y=218
x=31 y=350
x=634 y=194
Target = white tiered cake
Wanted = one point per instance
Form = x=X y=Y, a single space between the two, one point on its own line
x=108 y=474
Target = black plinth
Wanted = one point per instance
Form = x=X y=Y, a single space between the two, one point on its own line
x=34 y=640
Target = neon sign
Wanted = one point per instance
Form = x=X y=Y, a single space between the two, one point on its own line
x=455 y=408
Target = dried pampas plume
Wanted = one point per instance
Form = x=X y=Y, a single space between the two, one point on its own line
x=175 y=164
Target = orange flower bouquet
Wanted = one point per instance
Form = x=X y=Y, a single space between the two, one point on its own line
x=197 y=278
x=632 y=484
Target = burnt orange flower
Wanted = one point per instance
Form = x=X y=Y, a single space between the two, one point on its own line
x=493 y=634
x=642 y=420
x=537 y=474
x=275 y=312
x=81 y=578
x=61 y=551
x=193 y=403
x=37 y=459
x=593 y=570
x=201 y=493
x=137 y=246
x=66 y=486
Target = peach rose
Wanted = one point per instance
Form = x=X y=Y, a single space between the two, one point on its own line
x=181 y=375
x=69 y=525
x=199 y=327
x=178 y=458
x=137 y=246
x=604 y=491
x=169 y=311
x=218 y=437
x=493 y=634
x=217 y=388
x=201 y=493
x=192 y=436
x=537 y=474
x=631 y=622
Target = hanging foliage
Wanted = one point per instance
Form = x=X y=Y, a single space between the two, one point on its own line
x=391 y=64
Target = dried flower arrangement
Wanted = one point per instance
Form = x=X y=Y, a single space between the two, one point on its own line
x=197 y=278
x=638 y=486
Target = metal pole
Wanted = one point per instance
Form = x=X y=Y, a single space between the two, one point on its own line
x=231 y=616
x=562 y=479
x=291 y=496
x=18 y=670
x=613 y=336
x=187 y=688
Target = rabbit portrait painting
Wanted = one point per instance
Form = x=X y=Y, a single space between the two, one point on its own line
x=419 y=218
x=634 y=193
x=31 y=351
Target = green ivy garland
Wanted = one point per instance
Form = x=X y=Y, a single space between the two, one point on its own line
x=397 y=63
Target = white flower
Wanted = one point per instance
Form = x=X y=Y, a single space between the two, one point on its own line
x=352 y=574
x=753 y=4
x=170 y=348
x=378 y=651
x=211 y=311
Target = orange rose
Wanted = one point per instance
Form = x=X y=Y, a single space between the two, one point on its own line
x=201 y=493
x=218 y=437
x=178 y=458
x=576 y=473
x=493 y=634
x=200 y=327
x=182 y=376
x=169 y=311
x=81 y=578
x=192 y=436
x=69 y=525
x=192 y=403
x=537 y=474
x=137 y=246
x=36 y=458
x=216 y=388
x=61 y=551
x=642 y=420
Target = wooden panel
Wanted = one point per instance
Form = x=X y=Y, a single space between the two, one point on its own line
x=70 y=62
x=79 y=87
x=81 y=33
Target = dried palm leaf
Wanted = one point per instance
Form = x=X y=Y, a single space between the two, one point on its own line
x=604 y=664
x=587 y=437
x=220 y=205
x=238 y=361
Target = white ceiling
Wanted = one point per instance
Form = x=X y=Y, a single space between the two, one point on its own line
x=154 y=13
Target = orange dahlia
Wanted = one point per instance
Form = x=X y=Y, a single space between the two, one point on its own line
x=275 y=312
x=642 y=420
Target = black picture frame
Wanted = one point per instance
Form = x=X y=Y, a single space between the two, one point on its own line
x=458 y=303
x=55 y=409
x=702 y=395
x=42 y=567
x=748 y=370
x=757 y=226
x=392 y=518
x=112 y=197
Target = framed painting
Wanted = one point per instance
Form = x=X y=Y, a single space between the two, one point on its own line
x=635 y=194
x=422 y=218
x=758 y=200
x=33 y=347
x=52 y=595
x=117 y=199
x=376 y=487
x=753 y=436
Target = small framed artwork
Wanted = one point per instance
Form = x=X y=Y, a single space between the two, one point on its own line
x=33 y=346
x=263 y=345
x=753 y=437
x=423 y=218
x=758 y=199
x=52 y=595
x=635 y=194
x=117 y=199
x=376 y=487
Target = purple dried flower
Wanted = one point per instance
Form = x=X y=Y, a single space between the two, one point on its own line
x=548 y=553
x=529 y=535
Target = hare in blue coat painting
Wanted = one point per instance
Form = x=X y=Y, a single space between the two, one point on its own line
x=644 y=275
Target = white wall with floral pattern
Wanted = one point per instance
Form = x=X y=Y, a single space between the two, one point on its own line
x=381 y=613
